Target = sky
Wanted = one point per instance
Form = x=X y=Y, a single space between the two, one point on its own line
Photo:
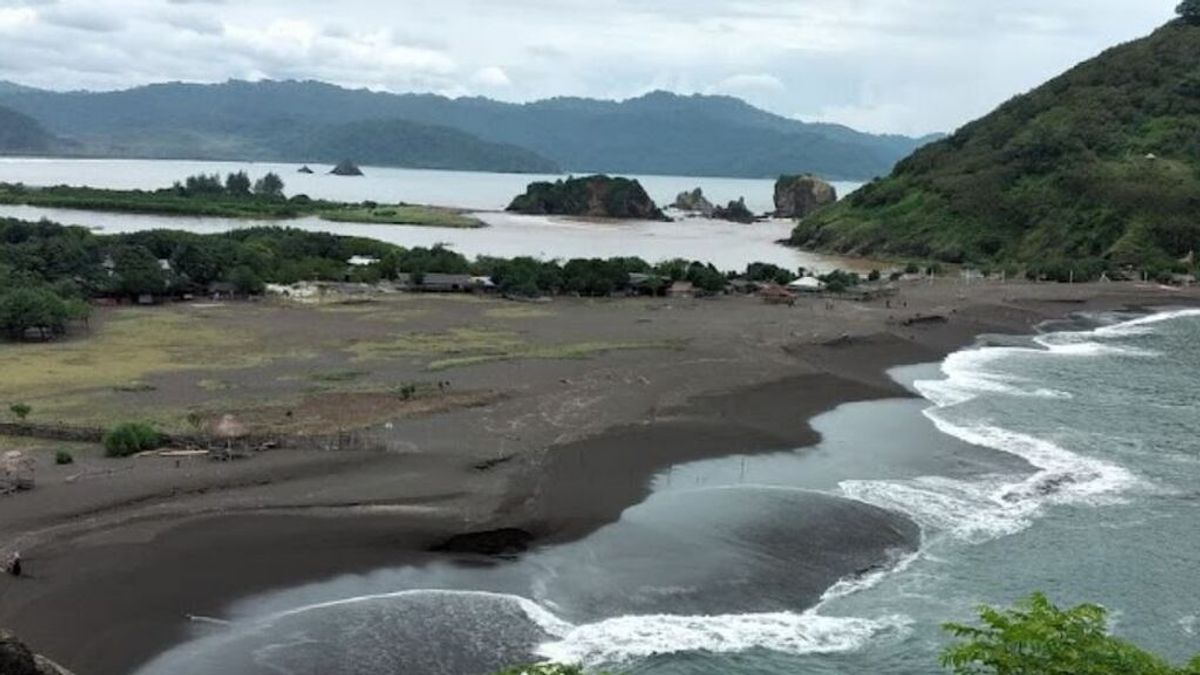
x=887 y=66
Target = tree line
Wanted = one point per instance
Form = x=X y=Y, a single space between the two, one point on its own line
x=49 y=272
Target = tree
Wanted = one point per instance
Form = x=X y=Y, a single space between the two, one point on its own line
x=25 y=309
x=238 y=184
x=21 y=410
x=270 y=186
x=137 y=271
x=247 y=281
x=1037 y=637
x=1190 y=11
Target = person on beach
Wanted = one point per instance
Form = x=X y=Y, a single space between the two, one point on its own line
x=14 y=564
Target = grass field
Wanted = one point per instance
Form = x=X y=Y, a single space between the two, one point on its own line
x=403 y=214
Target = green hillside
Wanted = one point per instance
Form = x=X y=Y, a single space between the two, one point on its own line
x=1099 y=167
x=21 y=134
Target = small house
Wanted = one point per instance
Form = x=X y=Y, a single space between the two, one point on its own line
x=774 y=294
x=362 y=261
x=681 y=289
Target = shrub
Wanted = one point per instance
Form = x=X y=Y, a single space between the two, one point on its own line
x=62 y=457
x=21 y=410
x=131 y=438
x=1037 y=637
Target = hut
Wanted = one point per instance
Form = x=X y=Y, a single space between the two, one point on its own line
x=806 y=285
x=681 y=289
x=774 y=294
x=16 y=472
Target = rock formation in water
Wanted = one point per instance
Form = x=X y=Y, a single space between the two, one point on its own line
x=18 y=659
x=693 y=202
x=735 y=212
x=346 y=168
x=591 y=196
x=304 y=169
x=800 y=196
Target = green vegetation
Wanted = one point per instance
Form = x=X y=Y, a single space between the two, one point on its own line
x=22 y=134
x=235 y=196
x=590 y=196
x=1037 y=638
x=63 y=457
x=20 y=410
x=131 y=438
x=1189 y=11
x=1097 y=169
x=403 y=214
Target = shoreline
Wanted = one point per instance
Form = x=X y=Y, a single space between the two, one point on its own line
x=199 y=562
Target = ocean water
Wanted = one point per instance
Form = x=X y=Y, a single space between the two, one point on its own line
x=1066 y=462
x=729 y=246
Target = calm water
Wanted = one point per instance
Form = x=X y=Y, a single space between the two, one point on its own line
x=1067 y=462
x=727 y=245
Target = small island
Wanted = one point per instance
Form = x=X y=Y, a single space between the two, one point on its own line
x=736 y=212
x=304 y=169
x=346 y=168
x=589 y=197
x=801 y=196
x=693 y=202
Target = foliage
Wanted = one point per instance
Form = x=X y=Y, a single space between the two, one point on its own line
x=33 y=308
x=1098 y=168
x=21 y=410
x=269 y=186
x=131 y=438
x=1038 y=637
x=63 y=457
x=767 y=272
x=594 y=196
x=1189 y=10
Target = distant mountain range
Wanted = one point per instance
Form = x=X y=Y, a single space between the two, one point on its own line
x=659 y=133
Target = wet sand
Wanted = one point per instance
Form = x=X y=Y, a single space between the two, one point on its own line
x=118 y=566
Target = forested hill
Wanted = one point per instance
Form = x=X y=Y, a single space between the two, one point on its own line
x=1098 y=167
x=658 y=133
x=21 y=134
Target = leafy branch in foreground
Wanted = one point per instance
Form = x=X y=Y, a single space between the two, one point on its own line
x=1038 y=638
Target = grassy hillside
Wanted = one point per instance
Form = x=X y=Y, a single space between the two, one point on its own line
x=1098 y=167
x=659 y=133
x=21 y=134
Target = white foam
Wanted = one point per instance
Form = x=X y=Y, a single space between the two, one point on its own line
x=622 y=639
x=988 y=507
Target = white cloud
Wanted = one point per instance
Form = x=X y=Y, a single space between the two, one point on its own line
x=15 y=18
x=491 y=76
x=884 y=65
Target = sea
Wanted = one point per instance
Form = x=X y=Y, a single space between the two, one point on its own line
x=1065 y=462
x=729 y=246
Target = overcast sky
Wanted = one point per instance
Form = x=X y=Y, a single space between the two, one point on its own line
x=908 y=66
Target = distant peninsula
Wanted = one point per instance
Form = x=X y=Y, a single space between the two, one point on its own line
x=234 y=196
x=589 y=197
